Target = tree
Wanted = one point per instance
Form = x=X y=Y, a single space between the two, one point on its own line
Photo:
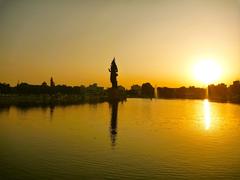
x=147 y=90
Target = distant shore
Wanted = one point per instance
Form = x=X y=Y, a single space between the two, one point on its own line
x=46 y=100
x=43 y=95
x=63 y=100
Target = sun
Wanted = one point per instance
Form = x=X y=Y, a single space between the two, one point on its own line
x=207 y=71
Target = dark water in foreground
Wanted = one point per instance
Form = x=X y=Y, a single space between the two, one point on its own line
x=139 y=139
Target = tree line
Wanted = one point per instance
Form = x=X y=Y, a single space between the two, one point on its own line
x=220 y=92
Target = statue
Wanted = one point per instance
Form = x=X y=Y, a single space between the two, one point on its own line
x=113 y=76
x=115 y=93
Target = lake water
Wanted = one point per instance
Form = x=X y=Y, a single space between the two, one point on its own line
x=137 y=139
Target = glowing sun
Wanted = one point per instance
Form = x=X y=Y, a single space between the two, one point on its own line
x=207 y=71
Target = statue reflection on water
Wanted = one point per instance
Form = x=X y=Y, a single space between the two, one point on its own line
x=113 y=123
x=51 y=108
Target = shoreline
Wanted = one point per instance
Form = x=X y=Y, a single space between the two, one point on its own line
x=46 y=100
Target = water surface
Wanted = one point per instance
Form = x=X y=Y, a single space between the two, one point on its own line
x=138 y=139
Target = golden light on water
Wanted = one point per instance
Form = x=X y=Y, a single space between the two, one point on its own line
x=207 y=114
x=207 y=71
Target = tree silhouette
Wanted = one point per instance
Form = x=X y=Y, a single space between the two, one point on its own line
x=147 y=90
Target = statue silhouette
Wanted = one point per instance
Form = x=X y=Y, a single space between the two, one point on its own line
x=113 y=76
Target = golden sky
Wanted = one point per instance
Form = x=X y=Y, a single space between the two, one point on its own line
x=157 y=41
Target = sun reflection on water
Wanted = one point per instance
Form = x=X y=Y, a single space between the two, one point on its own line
x=207 y=115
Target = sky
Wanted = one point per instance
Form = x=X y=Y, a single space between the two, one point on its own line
x=156 y=41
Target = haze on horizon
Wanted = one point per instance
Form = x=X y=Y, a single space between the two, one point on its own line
x=153 y=41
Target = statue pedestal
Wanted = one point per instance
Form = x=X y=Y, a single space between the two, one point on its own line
x=115 y=94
